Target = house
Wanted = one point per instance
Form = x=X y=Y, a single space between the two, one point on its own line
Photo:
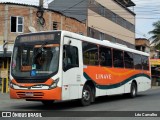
x=142 y=44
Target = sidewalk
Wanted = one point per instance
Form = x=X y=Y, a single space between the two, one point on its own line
x=155 y=87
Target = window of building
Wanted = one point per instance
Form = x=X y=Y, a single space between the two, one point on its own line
x=137 y=61
x=92 y=34
x=90 y=54
x=145 y=63
x=124 y=23
x=130 y=26
x=96 y=34
x=101 y=36
x=108 y=14
x=17 y=24
x=114 y=17
x=128 y=60
x=55 y=25
x=118 y=58
x=113 y=39
x=101 y=10
x=105 y=56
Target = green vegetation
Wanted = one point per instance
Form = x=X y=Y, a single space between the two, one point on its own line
x=156 y=33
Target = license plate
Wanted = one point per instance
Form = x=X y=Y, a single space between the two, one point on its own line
x=29 y=94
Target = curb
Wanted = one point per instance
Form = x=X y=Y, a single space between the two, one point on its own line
x=155 y=87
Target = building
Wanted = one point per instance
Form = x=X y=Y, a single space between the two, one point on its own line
x=106 y=20
x=142 y=44
x=16 y=19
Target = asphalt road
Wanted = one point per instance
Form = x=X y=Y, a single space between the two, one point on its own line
x=145 y=101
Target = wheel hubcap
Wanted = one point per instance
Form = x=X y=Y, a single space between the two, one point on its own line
x=86 y=95
x=134 y=92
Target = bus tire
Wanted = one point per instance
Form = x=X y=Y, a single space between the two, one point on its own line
x=133 y=92
x=86 y=96
x=47 y=102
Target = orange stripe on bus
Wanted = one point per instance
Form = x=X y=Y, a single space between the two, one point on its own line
x=107 y=76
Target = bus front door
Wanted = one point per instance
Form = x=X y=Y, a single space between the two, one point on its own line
x=72 y=69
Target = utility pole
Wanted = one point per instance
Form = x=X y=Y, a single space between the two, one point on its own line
x=4 y=68
x=41 y=3
x=41 y=20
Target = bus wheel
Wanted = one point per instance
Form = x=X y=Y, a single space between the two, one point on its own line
x=133 y=92
x=86 y=96
x=48 y=102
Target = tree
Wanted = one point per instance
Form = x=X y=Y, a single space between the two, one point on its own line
x=155 y=32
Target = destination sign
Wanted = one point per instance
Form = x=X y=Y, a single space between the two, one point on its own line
x=36 y=37
x=53 y=37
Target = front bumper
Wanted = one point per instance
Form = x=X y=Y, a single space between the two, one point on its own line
x=53 y=94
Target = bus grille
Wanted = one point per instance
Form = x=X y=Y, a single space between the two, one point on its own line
x=31 y=80
x=35 y=95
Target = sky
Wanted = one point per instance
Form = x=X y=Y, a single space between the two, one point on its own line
x=147 y=12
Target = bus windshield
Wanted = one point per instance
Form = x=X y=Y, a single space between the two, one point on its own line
x=36 y=55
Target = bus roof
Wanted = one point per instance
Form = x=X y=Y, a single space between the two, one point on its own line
x=103 y=43
x=95 y=41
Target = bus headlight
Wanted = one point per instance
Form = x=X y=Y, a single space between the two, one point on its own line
x=54 y=84
x=14 y=86
x=11 y=85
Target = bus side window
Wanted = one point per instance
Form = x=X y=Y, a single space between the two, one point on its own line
x=70 y=57
x=145 y=63
x=90 y=54
x=105 y=56
x=118 y=58
x=137 y=62
x=128 y=60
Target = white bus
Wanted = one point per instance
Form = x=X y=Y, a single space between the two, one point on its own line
x=61 y=65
